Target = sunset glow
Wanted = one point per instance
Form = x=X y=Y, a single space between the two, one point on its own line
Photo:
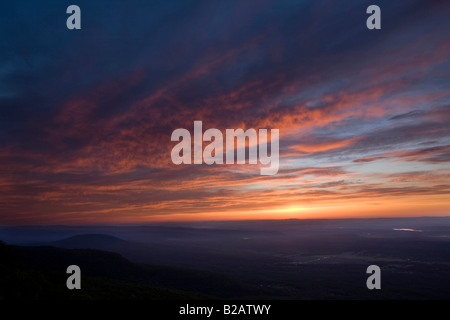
x=364 y=117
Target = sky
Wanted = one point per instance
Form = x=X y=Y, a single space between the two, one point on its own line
x=86 y=116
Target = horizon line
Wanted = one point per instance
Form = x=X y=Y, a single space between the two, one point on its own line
x=160 y=223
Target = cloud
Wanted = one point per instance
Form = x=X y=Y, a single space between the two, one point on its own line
x=432 y=155
x=410 y=114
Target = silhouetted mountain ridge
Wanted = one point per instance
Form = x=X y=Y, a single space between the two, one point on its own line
x=89 y=241
x=43 y=269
